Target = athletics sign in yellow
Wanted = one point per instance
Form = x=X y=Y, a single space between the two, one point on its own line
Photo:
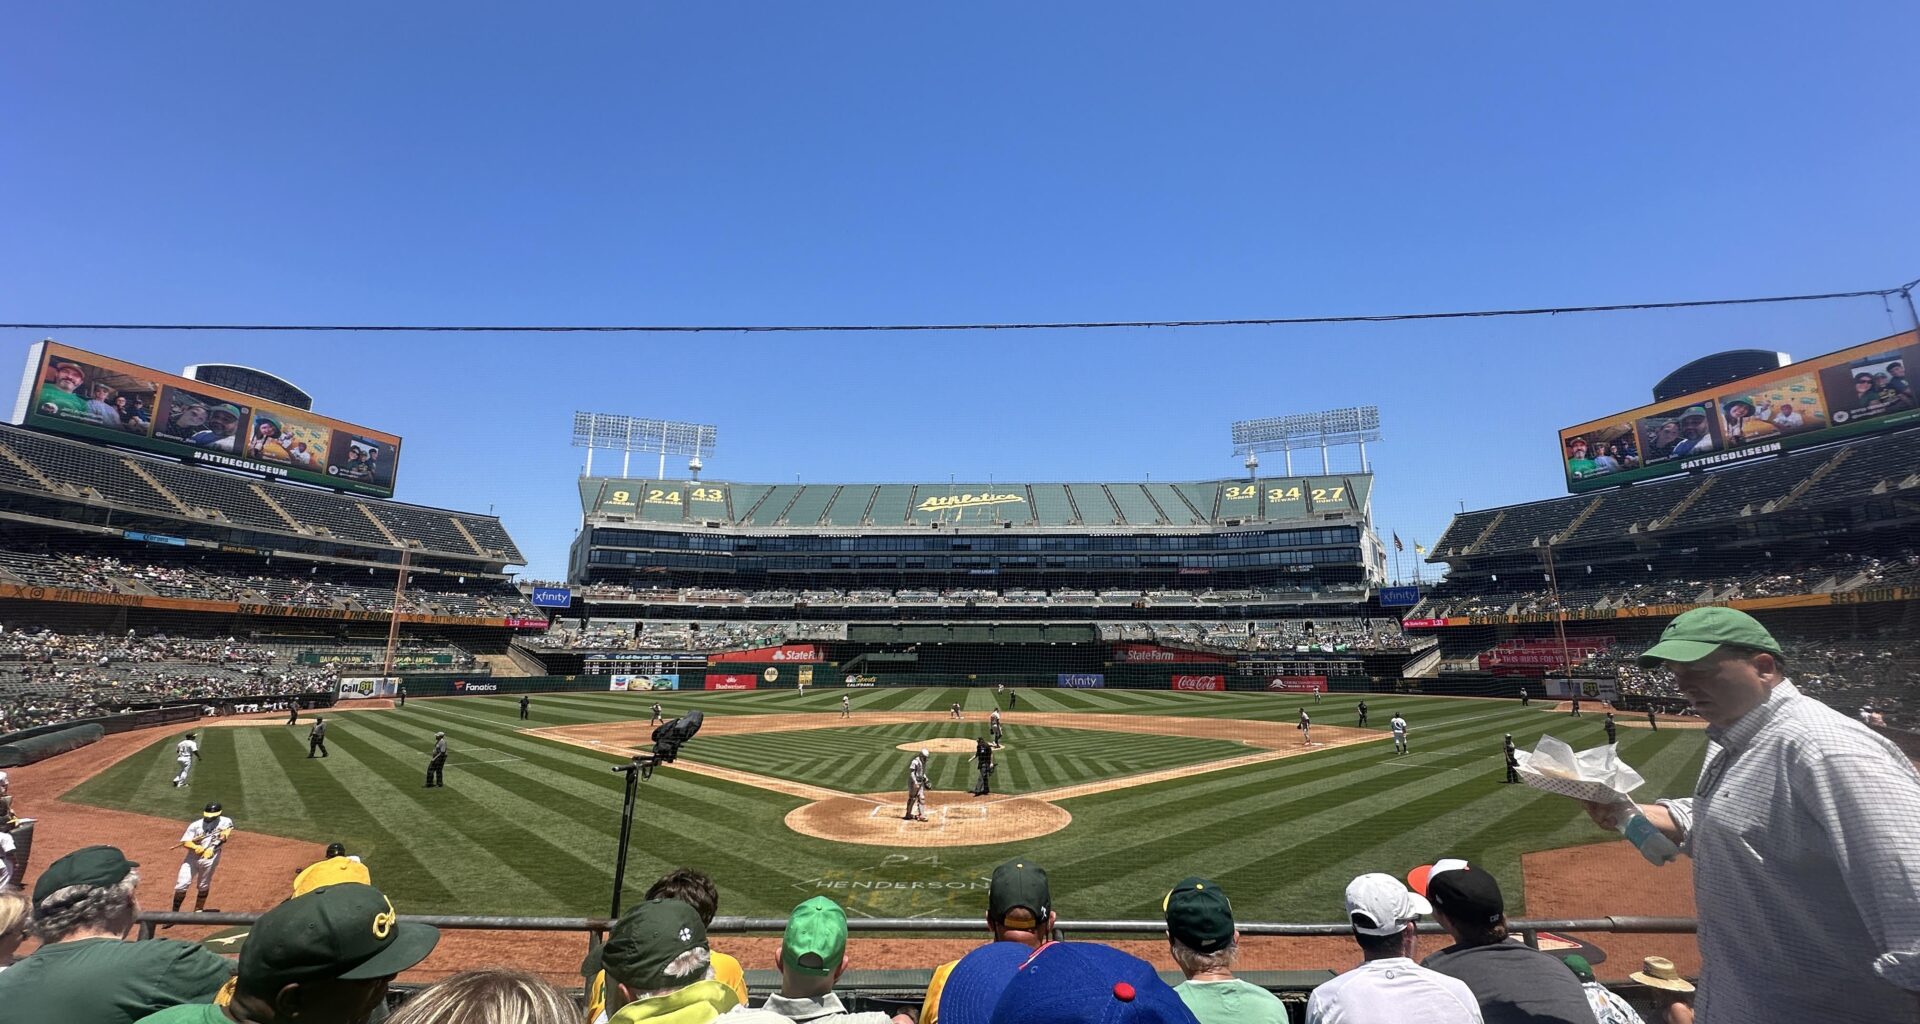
x=953 y=501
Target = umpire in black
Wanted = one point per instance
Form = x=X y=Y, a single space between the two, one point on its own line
x=1513 y=763
x=437 y=763
x=1610 y=728
x=317 y=738
x=525 y=702
x=983 y=757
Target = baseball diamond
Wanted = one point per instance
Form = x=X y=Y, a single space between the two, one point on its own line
x=778 y=792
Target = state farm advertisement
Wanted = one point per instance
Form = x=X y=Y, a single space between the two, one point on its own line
x=1298 y=684
x=1199 y=682
x=747 y=681
x=1154 y=654
x=783 y=654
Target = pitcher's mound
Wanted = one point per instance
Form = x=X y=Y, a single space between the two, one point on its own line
x=953 y=819
x=943 y=745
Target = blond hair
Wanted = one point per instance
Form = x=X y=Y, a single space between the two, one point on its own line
x=15 y=912
x=488 y=997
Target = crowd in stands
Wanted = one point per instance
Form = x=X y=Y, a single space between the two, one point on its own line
x=232 y=579
x=618 y=593
x=1299 y=635
x=48 y=677
x=682 y=636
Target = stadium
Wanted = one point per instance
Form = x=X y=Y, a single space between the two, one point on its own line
x=1217 y=658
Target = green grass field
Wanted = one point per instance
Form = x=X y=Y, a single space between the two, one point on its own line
x=528 y=825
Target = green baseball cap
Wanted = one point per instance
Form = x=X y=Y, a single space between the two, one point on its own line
x=648 y=938
x=816 y=937
x=344 y=932
x=1019 y=896
x=1695 y=634
x=89 y=865
x=1200 y=915
x=1579 y=966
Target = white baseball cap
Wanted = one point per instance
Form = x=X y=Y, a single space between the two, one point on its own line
x=924 y=753
x=1378 y=904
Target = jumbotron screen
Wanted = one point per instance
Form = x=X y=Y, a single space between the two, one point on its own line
x=1855 y=391
x=81 y=394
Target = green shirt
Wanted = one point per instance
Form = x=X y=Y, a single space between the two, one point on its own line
x=65 y=403
x=106 y=981
x=1231 y=1002
x=189 y=1013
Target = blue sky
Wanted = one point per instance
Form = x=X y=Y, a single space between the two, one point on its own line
x=863 y=163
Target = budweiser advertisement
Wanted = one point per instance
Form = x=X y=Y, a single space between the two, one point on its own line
x=1298 y=684
x=746 y=681
x=1199 y=682
x=776 y=655
x=1154 y=654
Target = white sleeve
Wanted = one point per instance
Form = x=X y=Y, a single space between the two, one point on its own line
x=190 y=835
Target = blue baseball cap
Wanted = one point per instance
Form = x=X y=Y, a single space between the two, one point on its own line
x=1088 y=983
x=975 y=983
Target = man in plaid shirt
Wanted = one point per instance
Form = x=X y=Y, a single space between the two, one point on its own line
x=1804 y=830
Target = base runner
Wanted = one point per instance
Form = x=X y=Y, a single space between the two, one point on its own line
x=186 y=752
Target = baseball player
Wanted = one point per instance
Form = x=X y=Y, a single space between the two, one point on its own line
x=999 y=690
x=317 y=738
x=846 y=705
x=1611 y=728
x=437 y=763
x=1653 y=720
x=994 y=727
x=1362 y=709
x=1513 y=764
x=1576 y=707
x=1525 y=697
x=202 y=840
x=1399 y=727
x=954 y=710
x=401 y=692
x=293 y=713
x=656 y=713
x=185 y=753
x=917 y=787
x=1316 y=695
x=1306 y=728
x=525 y=703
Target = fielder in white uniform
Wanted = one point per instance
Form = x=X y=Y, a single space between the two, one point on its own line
x=202 y=840
x=917 y=787
x=185 y=753
x=846 y=705
x=1399 y=726
x=1306 y=729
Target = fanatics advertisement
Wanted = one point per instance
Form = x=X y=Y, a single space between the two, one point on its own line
x=77 y=393
x=747 y=681
x=1855 y=391
x=1199 y=682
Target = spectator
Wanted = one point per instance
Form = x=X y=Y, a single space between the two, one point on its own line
x=813 y=952
x=1019 y=909
x=493 y=996
x=696 y=889
x=1388 y=985
x=1085 y=983
x=1607 y=1006
x=1205 y=943
x=660 y=970
x=1672 y=993
x=1801 y=814
x=336 y=868
x=1514 y=984
x=15 y=921
x=83 y=907
x=322 y=958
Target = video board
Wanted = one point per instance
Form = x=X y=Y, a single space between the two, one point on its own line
x=1854 y=391
x=74 y=392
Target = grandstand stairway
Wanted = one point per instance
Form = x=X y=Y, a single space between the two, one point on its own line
x=28 y=468
x=1574 y=527
x=154 y=482
x=267 y=500
x=378 y=525
x=461 y=529
x=1806 y=485
x=1492 y=525
x=1673 y=515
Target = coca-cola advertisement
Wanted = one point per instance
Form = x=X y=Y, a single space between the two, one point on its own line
x=1204 y=683
x=1298 y=684
x=1154 y=654
x=746 y=681
x=783 y=654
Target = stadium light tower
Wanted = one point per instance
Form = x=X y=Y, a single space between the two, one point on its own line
x=628 y=434
x=1354 y=425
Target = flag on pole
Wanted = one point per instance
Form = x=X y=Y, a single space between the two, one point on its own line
x=1397 y=546
x=1418 y=549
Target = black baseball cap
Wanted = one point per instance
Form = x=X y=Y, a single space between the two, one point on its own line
x=89 y=865
x=344 y=932
x=1468 y=894
x=1019 y=896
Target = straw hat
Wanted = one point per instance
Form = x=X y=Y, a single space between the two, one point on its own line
x=1659 y=973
